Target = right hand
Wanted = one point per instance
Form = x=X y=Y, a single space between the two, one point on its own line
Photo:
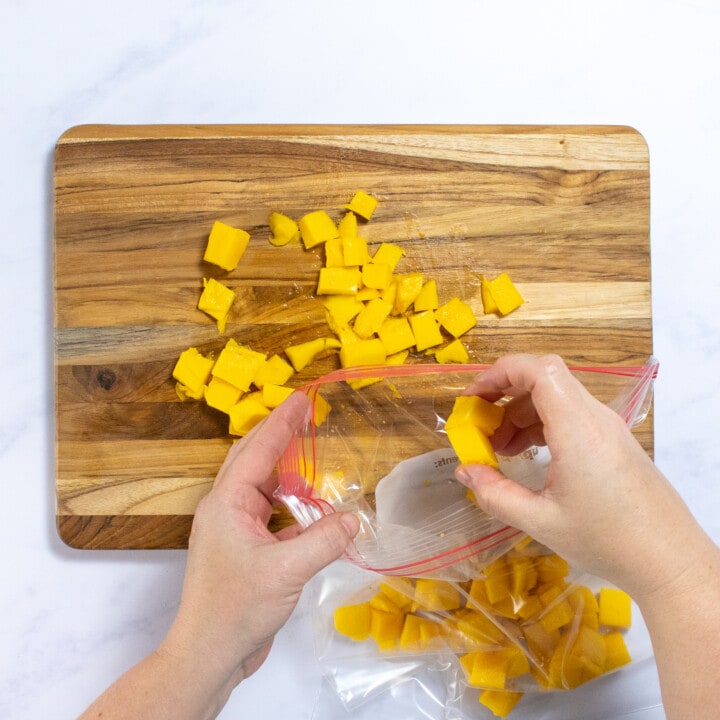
x=605 y=507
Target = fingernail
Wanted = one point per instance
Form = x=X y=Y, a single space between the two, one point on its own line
x=351 y=523
x=462 y=475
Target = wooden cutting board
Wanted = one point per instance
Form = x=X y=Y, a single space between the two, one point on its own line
x=564 y=210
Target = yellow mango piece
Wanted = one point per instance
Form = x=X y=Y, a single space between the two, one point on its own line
x=471 y=445
x=283 y=229
x=614 y=608
x=348 y=225
x=557 y=614
x=376 y=275
x=477 y=411
x=365 y=294
x=433 y=595
x=316 y=228
x=221 y=395
x=339 y=281
x=427 y=298
x=192 y=371
x=454 y=352
x=246 y=414
x=362 y=204
x=584 y=604
x=542 y=642
x=425 y=330
x=429 y=631
x=408 y=288
x=388 y=254
x=396 y=359
x=616 y=652
x=504 y=294
x=523 y=576
x=390 y=292
x=500 y=702
x=480 y=629
x=355 y=251
x=551 y=568
x=489 y=305
x=363 y=352
x=381 y=601
x=274 y=395
x=410 y=634
x=274 y=370
x=456 y=317
x=396 y=335
x=341 y=309
x=399 y=590
x=216 y=300
x=321 y=408
x=345 y=334
x=303 y=354
x=385 y=627
x=497 y=581
x=334 y=253
x=237 y=365
x=353 y=621
x=489 y=670
x=225 y=245
x=371 y=317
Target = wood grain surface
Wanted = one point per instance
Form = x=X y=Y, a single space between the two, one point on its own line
x=563 y=210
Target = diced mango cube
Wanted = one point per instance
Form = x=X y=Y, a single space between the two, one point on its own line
x=283 y=229
x=216 y=300
x=433 y=595
x=456 y=317
x=274 y=370
x=376 y=275
x=371 y=317
x=388 y=254
x=362 y=204
x=427 y=298
x=425 y=329
x=341 y=309
x=237 y=365
x=585 y=605
x=355 y=251
x=396 y=335
x=489 y=305
x=303 y=354
x=348 y=225
x=471 y=445
x=408 y=288
x=353 y=621
x=500 y=702
x=542 y=642
x=395 y=359
x=616 y=652
x=399 y=590
x=339 y=281
x=557 y=614
x=334 y=253
x=363 y=352
x=489 y=670
x=480 y=629
x=385 y=627
x=225 y=245
x=551 y=568
x=477 y=411
x=410 y=635
x=317 y=227
x=504 y=294
x=192 y=371
x=453 y=352
x=246 y=414
x=615 y=608
x=320 y=407
x=221 y=395
x=383 y=602
x=274 y=395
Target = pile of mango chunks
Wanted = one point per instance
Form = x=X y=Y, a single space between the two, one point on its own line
x=376 y=315
x=522 y=625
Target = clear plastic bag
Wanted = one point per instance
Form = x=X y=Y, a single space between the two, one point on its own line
x=375 y=445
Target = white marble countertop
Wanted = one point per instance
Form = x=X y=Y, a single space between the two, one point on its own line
x=71 y=621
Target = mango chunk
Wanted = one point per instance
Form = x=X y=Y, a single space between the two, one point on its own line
x=274 y=395
x=371 y=317
x=353 y=621
x=453 y=352
x=388 y=254
x=427 y=298
x=476 y=410
x=363 y=352
x=616 y=652
x=274 y=370
x=500 y=702
x=615 y=608
x=192 y=371
x=425 y=330
x=303 y=354
x=395 y=359
x=376 y=275
x=221 y=395
x=472 y=445
x=433 y=595
x=341 y=309
x=386 y=627
x=246 y=414
x=225 y=245
x=339 y=281
x=489 y=305
x=456 y=317
x=355 y=251
x=237 y=365
x=408 y=288
x=348 y=225
x=334 y=256
x=316 y=228
x=504 y=294
x=216 y=300
x=362 y=204
x=283 y=229
x=396 y=335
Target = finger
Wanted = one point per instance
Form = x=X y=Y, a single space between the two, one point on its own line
x=510 y=440
x=318 y=545
x=253 y=459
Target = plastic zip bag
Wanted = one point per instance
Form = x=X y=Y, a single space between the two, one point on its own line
x=374 y=444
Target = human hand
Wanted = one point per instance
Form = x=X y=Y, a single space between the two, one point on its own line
x=242 y=582
x=605 y=506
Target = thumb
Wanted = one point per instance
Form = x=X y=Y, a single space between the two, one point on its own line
x=319 y=544
x=502 y=498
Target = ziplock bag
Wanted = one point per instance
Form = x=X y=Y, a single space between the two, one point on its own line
x=374 y=444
